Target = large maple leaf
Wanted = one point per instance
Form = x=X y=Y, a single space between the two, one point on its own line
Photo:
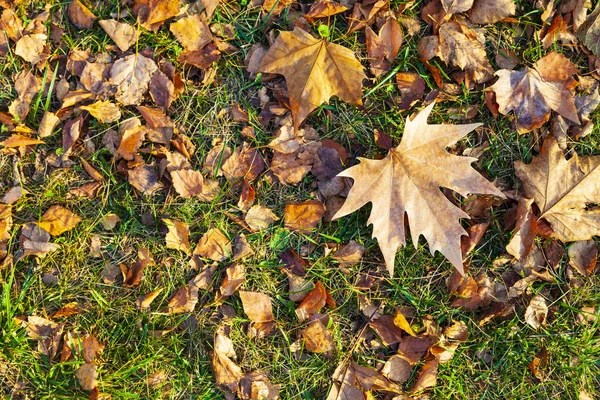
x=314 y=71
x=532 y=93
x=407 y=182
x=564 y=190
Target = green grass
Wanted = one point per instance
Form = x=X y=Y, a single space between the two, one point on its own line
x=132 y=352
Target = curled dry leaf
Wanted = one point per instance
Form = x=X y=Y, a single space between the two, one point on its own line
x=57 y=220
x=407 y=182
x=536 y=312
x=109 y=221
x=104 y=111
x=178 y=235
x=310 y=68
x=235 y=277
x=589 y=32
x=34 y=240
x=47 y=124
x=521 y=242
x=259 y=217
x=427 y=377
x=313 y=303
x=143 y=302
x=47 y=333
x=123 y=34
x=227 y=372
x=383 y=48
x=214 y=245
x=533 y=92
x=397 y=369
x=303 y=217
x=145 y=179
x=411 y=87
x=564 y=206
x=131 y=141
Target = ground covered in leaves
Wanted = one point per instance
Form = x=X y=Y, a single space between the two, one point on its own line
x=213 y=199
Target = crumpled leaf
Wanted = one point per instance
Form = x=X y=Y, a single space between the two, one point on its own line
x=317 y=338
x=131 y=75
x=583 y=256
x=47 y=333
x=227 y=372
x=533 y=92
x=536 y=312
x=589 y=32
x=461 y=47
x=123 y=34
x=312 y=71
x=383 y=48
x=30 y=47
x=407 y=182
x=563 y=190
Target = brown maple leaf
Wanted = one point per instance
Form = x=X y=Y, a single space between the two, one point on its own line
x=563 y=190
x=314 y=70
x=407 y=182
x=533 y=92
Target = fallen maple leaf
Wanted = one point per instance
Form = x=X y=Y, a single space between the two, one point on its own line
x=566 y=205
x=131 y=75
x=314 y=71
x=532 y=93
x=407 y=182
x=123 y=34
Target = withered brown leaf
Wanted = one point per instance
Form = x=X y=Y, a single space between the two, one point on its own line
x=407 y=182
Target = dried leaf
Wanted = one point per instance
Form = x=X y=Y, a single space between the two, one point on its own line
x=317 y=339
x=143 y=302
x=420 y=161
x=104 y=111
x=491 y=11
x=192 y=32
x=30 y=47
x=57 y=220
x=131 y=141
x=383 y=48
x=427 y=377
x=123 y=34
x=313 y=303
x=310 y=67
x=564 y=205
x=152 y=13
x=235 y=277
x=214 y=245
x=81 y=16
x=87 y=374
x=456 y=6
x=303 y=217
x=583 y=256
x=536 y=312
x=178 y=236
x=525 y=231
x=259 y=309
x=259 y=217
x=132 y=75
x=532 y=93
x=16 y=140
